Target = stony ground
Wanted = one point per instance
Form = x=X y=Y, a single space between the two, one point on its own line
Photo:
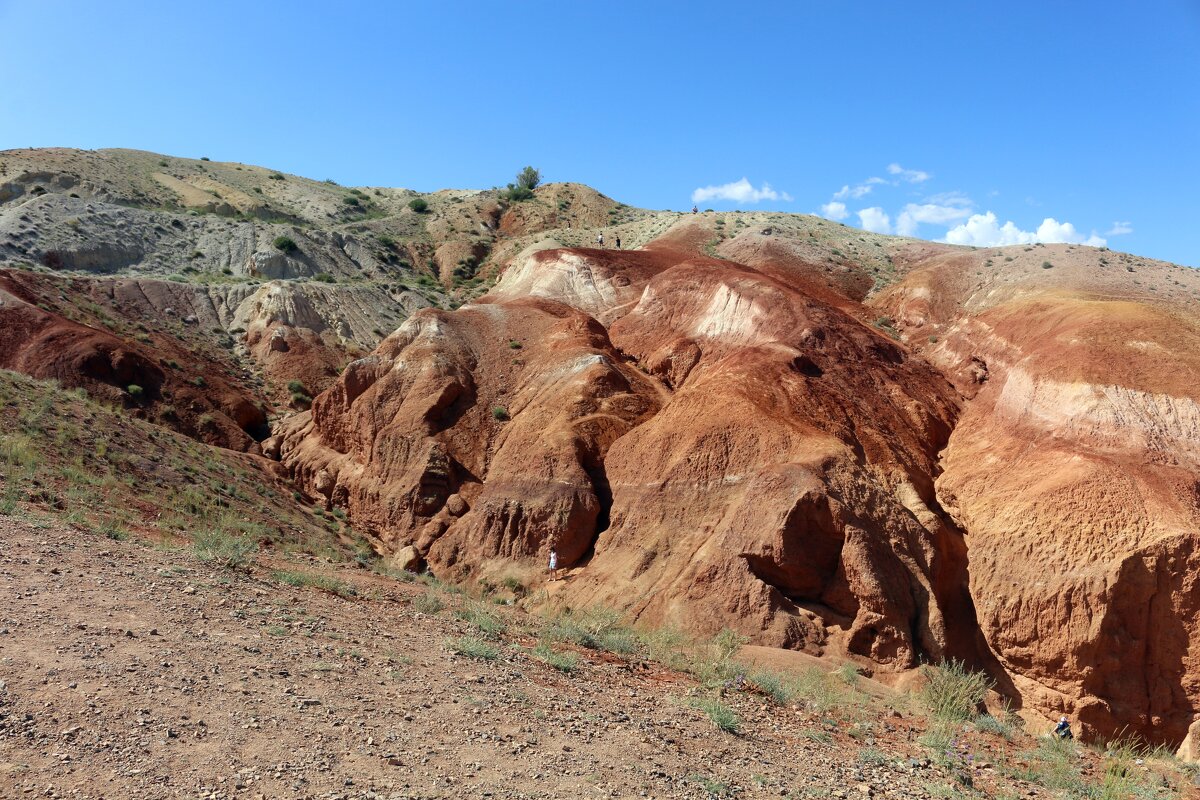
x=132 y=670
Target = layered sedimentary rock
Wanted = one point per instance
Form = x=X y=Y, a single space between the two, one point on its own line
x=478 y=436
x=1074 y=468
x=771 y=471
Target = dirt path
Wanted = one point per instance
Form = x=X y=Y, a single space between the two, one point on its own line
x=135 y=671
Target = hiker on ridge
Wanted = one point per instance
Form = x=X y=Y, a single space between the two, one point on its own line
x=618 y=242
x=553 y=564
x=600 y=239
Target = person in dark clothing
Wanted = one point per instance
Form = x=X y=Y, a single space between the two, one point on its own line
x=618 y=242
x=1063 y=729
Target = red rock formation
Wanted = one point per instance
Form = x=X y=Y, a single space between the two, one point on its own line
x=784 y=488
x=47 y=345
x=477 y=435
x=1074 y=470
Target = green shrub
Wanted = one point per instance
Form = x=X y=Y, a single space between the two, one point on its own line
x=428 y=603
x=473 y=647
x=324 y=277
x=285 y=244
x=296 y=386
x=275 y=176
x=386 y=241
x=418 y=205
x=218 y=547
x=529 y=178
x=952 y=692
x=595 y=629
x=488 y=625
x=720 y=714
x=301 y=400
x=500 y=413
x=351 y=201
x=563 y=662
x=1047 y=265
x=324 y=583
x=135 y=391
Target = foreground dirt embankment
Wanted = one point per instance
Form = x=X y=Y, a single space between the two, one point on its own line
x=137 y=671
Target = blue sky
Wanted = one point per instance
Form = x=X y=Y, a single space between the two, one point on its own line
x=931 y=118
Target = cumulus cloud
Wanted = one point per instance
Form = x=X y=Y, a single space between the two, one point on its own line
x=1119 y=229
x=908 y=175
x=835 y=211
x=738 y=192
x=985 y=230
x=874 y=220
x=933 y=213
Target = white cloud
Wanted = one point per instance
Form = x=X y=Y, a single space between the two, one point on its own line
x=984 y=230
x=874 y=220
x=738 y=192
x=932 y=213
x=908 y=175
x=852 y=192
x=1119 y=229
x=835 y=211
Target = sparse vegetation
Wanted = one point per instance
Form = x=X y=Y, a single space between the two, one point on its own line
x=500 y=413
x=721 y=715
x=316 y=580
x=284 y=243
x=221 y=547
x=418 y=205
x=473 y=647
x=952 y=692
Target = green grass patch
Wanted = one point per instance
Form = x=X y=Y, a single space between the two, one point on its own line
x=473 y=647
x=721 y=715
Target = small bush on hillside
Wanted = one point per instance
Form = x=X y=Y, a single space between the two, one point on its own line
x=563 y=662
x=220 y=548
x=135 y=391
x=285 y=244
x=275 y=176
x=529 y=178
x=1047 y=265
x=595 y=629
x=324 y=583
x=324 y=277
x=500 y=413
x=952 y=692
x=301 y=400
x=296 y=386
x=488 y=625
x=418 y=205
x=428 y=603
x=385 y=241
x=720 y=714
x=351 y=201
x=473 y=647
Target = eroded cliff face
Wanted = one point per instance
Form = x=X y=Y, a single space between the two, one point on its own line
x=1074 y=469
x=730 y=452
x=477 y=435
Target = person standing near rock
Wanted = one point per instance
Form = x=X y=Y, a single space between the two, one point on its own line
x=553 y=563
x=618 y=242
x=600 y=239
x=1062 y=730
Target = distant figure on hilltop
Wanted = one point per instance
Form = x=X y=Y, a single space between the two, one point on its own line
x=695 y=209
x=618 y=242
x=600 y=239
x=1063 y=729
x=553 y=564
